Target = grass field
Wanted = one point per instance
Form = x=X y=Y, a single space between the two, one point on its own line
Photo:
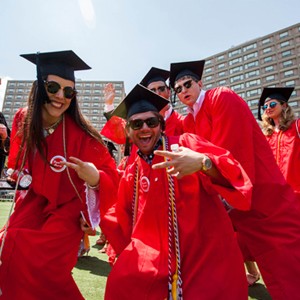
x=91 y=271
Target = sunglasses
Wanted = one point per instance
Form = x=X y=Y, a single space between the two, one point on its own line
x=187 y=85
x=271 y=105
x=53 y=87
x=160 y=89
x=139 y=123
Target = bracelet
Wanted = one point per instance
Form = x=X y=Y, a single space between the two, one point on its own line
x=95 y=187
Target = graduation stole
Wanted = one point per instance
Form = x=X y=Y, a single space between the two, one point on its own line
x=174 y=280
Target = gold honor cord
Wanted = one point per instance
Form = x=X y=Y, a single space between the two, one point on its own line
x=175 y=281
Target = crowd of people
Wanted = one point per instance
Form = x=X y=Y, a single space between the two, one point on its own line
x=200 y=207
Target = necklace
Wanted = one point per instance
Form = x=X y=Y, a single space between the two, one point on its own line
x=50 y=129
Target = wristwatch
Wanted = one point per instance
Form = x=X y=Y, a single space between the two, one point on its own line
x=206 y=164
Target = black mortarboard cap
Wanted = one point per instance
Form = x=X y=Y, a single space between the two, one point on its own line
x=60 y=63
x=279 y=93
x=139 y=99
x=190 y=68
x=155 y=74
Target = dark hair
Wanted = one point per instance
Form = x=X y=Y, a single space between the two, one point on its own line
x=32 y=128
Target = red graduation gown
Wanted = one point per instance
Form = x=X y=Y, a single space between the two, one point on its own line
x=286 y=149
x=43 y=237
x=271 y=229
x=211 y=260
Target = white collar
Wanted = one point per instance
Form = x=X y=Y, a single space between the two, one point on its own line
x=197 y=105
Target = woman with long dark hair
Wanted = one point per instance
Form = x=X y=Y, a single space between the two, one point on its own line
x=61 y=160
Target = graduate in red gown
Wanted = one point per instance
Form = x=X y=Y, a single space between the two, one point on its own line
x=154 y=80
x=271 y=229
x=282 y=131
x=175 y=238
x=71 y=171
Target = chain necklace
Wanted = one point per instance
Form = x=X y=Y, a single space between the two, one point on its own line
x=50 y=129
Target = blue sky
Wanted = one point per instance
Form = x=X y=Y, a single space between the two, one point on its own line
x=123 y=39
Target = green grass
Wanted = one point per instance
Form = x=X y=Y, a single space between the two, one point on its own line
x=91 y=271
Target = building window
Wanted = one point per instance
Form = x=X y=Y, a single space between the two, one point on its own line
x=283 y=34
x=284 y=44
x=208 y=70
x=250 y=55
x=286 y=53
x=251 y=64
x=221 y=57
x=287 y=63
x=253 y=102
x=252 y=93
x=250 y=47
x=252 y=83
x=290 y=83
x=220 y=66
x=270 y=78
x=268 y=59
x=236 y=69
x=208 y=62
x=208 y=78
x=266 y=41
x=234 y=53
x=236 y=78
x=252 y=74
x=221 y=74
x=288 y=73
x=267 y=50
x=222 y=82
x=269 y=69
x=235 y=61
x=209 y=86
x=238 y=87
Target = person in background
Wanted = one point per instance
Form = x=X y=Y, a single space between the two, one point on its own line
x=271 y=229
x=154 y=80
x=282 y=131
x=173 y=235
x=67 y=169
x=4 y=141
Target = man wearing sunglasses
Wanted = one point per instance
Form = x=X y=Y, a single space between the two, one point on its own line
x=154 y=80
x=222 y=117
x=172 y=232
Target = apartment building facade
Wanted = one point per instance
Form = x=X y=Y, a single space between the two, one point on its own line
x=269 y=61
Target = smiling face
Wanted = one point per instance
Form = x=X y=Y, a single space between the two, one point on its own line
x=160 y=88
x=273 y=110
x=58 y=103
x=146 y=137
x=188 y=90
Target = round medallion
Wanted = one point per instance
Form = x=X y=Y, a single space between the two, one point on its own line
x=145 y=184
x=25 y=181
x=55 y=166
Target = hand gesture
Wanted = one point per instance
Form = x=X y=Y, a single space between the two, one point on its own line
x=85 y=170
x=109 y=94
x=181 y=163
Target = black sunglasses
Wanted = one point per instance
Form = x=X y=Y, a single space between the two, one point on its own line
x=53 y=87
x=187 y=85
x=160 y=89
x=139 y=123
x=271 y=105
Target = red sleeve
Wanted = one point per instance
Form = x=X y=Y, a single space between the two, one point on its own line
x=239 y=196
x=16 y=137
x=114 y=129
